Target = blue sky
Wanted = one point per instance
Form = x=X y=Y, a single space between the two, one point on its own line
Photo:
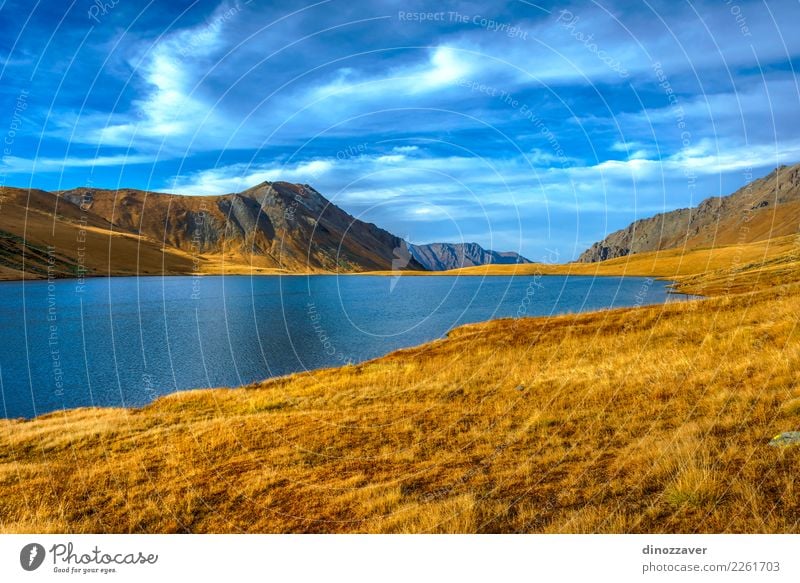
x=534 y=127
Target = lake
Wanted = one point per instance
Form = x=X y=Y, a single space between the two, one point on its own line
x=124 y=341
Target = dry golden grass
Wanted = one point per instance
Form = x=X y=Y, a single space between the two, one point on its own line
x=778 y=265
x=668 y=264
x=707 y=271
x=652 y=419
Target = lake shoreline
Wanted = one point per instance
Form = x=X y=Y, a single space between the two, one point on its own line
x=452 y=273
x=512 y=322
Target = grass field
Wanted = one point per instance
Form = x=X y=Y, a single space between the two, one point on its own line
x=650 y=419
x=711 y=271
x=740 y=265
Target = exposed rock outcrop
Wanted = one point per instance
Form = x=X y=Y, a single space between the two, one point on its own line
x=745 y=216
x=444 y=256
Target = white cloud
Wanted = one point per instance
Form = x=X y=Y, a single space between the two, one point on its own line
x=405 y=149
x=15 y=165
x=172 y=108
x=442 y=68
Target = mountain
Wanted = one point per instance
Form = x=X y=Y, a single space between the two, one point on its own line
x=277 y=225
x=765 y=208
x=444 y=256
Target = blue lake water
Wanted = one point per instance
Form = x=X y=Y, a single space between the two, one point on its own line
x=124 y=341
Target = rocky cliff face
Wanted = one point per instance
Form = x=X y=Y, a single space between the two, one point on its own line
x=767 y=207
x=444 y=256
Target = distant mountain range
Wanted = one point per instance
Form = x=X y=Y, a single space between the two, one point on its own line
x=274 y=226
x=765 y=208
x=292 y=228
x=444 y=256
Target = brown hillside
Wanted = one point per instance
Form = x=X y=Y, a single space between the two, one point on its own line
x=38 y=230
x=765 y=208
x=271 y=227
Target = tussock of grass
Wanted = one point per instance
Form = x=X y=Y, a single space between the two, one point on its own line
x=653 y=419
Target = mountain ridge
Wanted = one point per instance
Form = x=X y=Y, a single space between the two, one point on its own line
x=271 y=226
x=446 y=256
x=745 y=216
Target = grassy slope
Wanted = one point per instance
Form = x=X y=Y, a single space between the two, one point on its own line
x=710 y=271
x=139 y=243
x=669 y=264
x=26 y=231
x=87 y=242
x=637 y=420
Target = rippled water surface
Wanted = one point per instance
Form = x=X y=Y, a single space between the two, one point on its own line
x=125 y=341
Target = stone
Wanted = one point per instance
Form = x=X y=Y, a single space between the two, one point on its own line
x=785 y=438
